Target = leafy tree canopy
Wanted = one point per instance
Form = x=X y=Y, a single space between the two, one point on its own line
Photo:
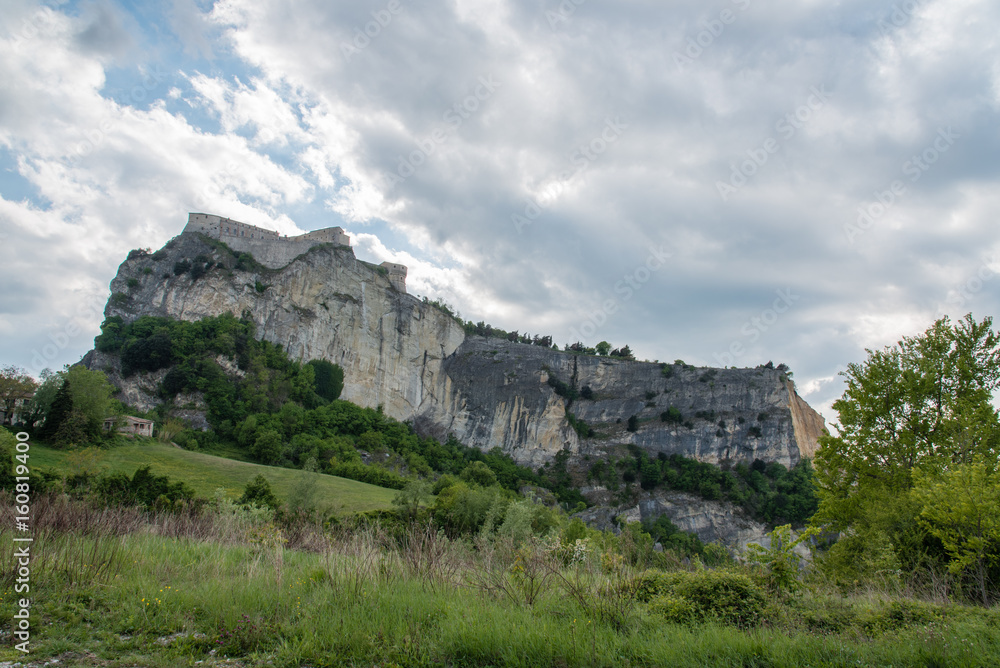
x=915 y=457
x=923 y=403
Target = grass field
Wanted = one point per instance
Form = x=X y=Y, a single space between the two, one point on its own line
x=206 y=473
x=104 y=599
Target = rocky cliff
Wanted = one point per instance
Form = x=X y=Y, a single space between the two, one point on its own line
x=416 y=362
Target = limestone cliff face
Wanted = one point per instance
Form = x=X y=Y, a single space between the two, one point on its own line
x=711 y=521
x=416 y=362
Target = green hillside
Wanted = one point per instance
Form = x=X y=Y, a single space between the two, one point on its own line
x=205 y=473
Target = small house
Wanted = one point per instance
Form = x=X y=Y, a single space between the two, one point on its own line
x=130 y=426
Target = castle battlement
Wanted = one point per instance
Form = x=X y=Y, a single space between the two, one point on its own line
x=273 y=250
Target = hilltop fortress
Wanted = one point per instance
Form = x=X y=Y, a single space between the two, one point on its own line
x=273 y=250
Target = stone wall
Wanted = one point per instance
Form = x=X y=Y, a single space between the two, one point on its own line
x=267 y=246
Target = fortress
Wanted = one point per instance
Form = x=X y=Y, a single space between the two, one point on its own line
x=273 y=250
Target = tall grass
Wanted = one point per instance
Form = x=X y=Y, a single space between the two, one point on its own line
x=118 y=587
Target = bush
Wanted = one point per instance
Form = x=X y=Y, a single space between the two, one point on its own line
x=672 y=416
x=899 y=614
x=674 y=609
x=373 y=475
x=258 y=492
x=480 y=474
x=722 y=596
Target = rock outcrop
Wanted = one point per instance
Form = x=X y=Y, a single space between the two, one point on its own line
x=415 y=361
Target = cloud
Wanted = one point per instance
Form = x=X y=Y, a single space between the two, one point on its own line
x=475 y=138
x=189 y=24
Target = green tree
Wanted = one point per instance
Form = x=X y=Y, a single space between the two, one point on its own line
x=38 y=408
x=961 y=507
x=410 y=498
x=921 y=405
x=480 y=474
x=329 y=379
x=267 y=447
x=92 y=397
x=258 y=492
x=603 y=348
x=59 y=411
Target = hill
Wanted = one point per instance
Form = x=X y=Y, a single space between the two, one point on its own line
x=205 y=473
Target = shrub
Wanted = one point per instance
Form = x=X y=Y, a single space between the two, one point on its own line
x=674 y=609
x=722 y=596
x=633 y=423
x=899 y=614
x=672 y=416
x=562 y=389
x=258 y=492
x=373 y=475
x=182 y=267
x=480 y=474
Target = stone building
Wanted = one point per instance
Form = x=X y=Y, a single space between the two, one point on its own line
x=130 y=425
x=273 y=250
x=19 y=408
x=397 y=275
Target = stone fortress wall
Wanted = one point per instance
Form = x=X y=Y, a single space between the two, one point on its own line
x=273 y=250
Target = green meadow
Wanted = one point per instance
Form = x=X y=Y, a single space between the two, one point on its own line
x=205 y=473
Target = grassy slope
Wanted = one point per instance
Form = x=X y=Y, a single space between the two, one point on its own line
x=205 y=473
x=307 y=609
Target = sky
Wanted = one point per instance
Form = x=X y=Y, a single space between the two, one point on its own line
x=725 y=182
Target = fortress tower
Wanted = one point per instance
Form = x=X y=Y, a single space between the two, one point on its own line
x=397 y=275
x=273 y=250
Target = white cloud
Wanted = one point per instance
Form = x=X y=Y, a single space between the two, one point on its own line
x=300 y=128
